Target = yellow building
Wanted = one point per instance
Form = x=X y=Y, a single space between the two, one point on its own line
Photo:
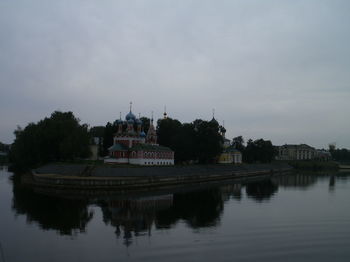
x=230 y=155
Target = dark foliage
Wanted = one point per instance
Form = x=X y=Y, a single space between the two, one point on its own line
x=4 y=148
x=145 y=123
x=342 y=155
x=66 y=216
x=57 y=138
x=258 y=151
x=238 y=143
x=262 y=190
x=97 y=131
x=109 y=132
x=198 y=141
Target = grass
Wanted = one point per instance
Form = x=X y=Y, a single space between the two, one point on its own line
x=313 y=165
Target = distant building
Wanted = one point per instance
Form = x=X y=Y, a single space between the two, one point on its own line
x=95 y=147
x=131 y=145
x=229 y=155
x=323 y=155
x=295 y=152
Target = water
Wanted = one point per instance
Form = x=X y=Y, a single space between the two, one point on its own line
x=304 y=217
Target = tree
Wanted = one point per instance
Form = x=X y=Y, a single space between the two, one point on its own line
x=342 y=155
x=59 y=137
x=97 y=131
x=145 y=123
x=167 y=131
x=4 y=148
x=208 y=141
x=109 y=132
x=238 y=143
x=259 y=151
x=199 y=140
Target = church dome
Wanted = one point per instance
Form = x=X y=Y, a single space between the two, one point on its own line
x=138 y=121
x=130 y=115
x=213 y=120
x=117 y=122
x=131 y=121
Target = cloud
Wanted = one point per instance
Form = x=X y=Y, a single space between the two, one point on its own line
x=272 y=69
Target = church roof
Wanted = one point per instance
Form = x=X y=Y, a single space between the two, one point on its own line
x=118 y=147
x=129 y=116
x=231 y=149
x=148 y=147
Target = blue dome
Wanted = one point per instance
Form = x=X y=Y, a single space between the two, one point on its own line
x=130 y=121
x=142 y=134
x=130 y=115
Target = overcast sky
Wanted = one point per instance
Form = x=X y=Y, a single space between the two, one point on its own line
x=277 y=70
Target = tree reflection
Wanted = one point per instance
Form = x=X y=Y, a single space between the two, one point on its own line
x=262 y=190
x=197 y=209
x=67 y=216
x=135 y=216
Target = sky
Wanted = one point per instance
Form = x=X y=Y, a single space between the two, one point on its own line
x=272 y=69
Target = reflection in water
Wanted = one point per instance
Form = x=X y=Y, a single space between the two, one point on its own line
x=133 y=215
x=234 y=191
x=157 y=223
x=296 y=180
x=137 y=214
x=262 y=190
x=331 y=183
x=197 y=209
x=66 y=216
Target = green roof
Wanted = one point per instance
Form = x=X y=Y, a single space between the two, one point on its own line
x=231 y=149
x=118 y=147
x=148 y=147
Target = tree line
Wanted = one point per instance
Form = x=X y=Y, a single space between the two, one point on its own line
x=199 y=141
x=61 y=137
x=4 y=147
x=259 y=150
x=342 y=155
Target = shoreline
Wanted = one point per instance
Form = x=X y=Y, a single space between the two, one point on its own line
x=125 y=178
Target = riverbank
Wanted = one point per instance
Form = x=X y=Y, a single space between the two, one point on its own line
x=313 y=165
x=115 y=177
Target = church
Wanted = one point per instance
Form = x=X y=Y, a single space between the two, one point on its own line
x=131 y=145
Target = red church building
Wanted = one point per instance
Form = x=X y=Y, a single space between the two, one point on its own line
x=131 y=145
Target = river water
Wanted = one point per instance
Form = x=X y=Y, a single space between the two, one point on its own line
x=297 y=217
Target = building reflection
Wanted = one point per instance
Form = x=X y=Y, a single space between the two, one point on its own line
x=296 y=180
x=134 y=216
x=231 y=191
